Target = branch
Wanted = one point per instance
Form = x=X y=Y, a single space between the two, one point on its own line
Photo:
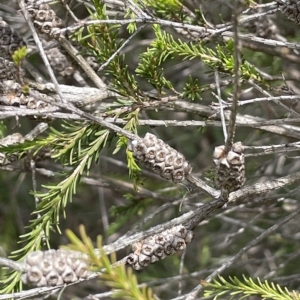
x=264 y=187
x=290 y=110
x=236 y=79
x=273 y=149
x=17 y=266
x=192 y=295
x=191 y=219
x=201 y=184
x=203 y=31
x=286 y=130
x=82 y=62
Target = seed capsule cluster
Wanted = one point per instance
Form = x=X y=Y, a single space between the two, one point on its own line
x=11 y=94
x=17 y=138
x=161 y=158
x=60 y=62
x=54 y=267
x=92 y=61
x=8 y=70
x=159 y=246
x=10 y=140
x=263 y=27
x=44 y=19
x=291 y=9
x=10 y=41
x=229 y=168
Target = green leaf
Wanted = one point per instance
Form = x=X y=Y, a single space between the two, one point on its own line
x=248 y=287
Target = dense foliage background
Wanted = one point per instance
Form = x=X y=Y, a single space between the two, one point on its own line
x=172 y=68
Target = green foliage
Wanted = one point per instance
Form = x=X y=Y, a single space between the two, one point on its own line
x=242 y=290
x=168 y=10
x=131 y=27
x=78 y=147
x=222 y=58
x=192 y=89
x=134 y=169
x=148 y=68
x=12 y=281
x=2 y=129
x=19 y=55
x=120 y=279
x=101 y=42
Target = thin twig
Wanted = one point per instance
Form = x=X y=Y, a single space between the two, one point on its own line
x=69 y=11
x=217 y=80
x=287 y=130
x=200 y=29
x=269 y=98
x=120 y=49
x=229 y=262
x=290 y=110
x=36 y=131
x=272 y=149
x=103 y=209
x=236 y=80
x=82 y=62
x=136 y=9
x=264 y=187
x=201 y=184
x=36 y=198
x=189 y=220
x=181 y=271
x=17 y=266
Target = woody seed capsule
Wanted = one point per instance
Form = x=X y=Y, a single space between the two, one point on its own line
x=160 y=158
